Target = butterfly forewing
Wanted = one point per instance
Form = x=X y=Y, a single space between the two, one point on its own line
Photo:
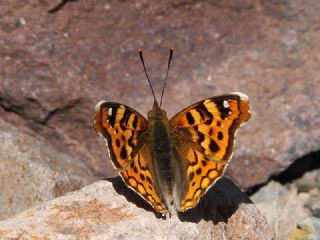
x=124 y=130
x=204 y=133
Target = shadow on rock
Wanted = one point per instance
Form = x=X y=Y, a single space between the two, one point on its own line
x=218 y=205
x=130 y=195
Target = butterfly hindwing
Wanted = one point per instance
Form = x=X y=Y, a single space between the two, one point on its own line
x=124 y=129
x=140 y=176
x=204 y=134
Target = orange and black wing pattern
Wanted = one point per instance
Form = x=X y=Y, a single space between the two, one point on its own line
x=123 y=128
x=204 y=133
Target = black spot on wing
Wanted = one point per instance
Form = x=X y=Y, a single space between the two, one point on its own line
x=200 y=135
x=149 y=180
x=117 y=142
x=213 y=146
x=202 y=116
x=220 y=135
x=135 y=122
x=123 y=153
x=190 y=118
x=201 y=107
x=112 y=117
x=130 y=141
x=224 y=112
x=124 y=119
x=142 y=177
x=208 y=122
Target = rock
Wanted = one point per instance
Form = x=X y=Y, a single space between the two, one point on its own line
x=31 y=172
x=56 y=67
x=282 y=206
x=308 y=229
x=109 y=210
x=315 y=208
x=309 y=181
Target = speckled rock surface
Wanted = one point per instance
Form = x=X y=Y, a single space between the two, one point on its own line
x=55 y=67
x=108 y=210
x=282 y=206
x=31 y=172
x=292 y=210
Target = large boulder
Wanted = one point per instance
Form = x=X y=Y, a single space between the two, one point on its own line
x=109 y=210
x=31 y=172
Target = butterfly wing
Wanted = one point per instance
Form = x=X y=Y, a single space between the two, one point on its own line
x=204 y=135
x=124 y=130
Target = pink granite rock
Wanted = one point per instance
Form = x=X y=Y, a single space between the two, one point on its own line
x=32 y=172
x=56 y=67
x=108 y=210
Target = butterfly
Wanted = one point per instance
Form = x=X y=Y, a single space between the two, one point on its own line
x=172 y=163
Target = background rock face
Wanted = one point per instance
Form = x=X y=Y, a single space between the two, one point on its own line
x=32 y=172
x=225 y=213
x=55 y=67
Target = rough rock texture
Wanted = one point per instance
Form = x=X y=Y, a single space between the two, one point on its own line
x=310 y=184
x=55 y=67
x=293 y=209
x=108 y=210
x=282 y=206
x=32 y=172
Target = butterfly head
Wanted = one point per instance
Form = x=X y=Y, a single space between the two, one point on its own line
x=156 y=113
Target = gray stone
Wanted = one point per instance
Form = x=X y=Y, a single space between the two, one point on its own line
x=282 y=206
x=308 y=229
x=309 y=181
x=31 y=172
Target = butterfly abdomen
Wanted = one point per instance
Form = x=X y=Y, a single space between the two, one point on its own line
x=162 y=155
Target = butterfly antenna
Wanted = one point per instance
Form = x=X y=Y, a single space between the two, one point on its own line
x=165 y=80
x=144 y=67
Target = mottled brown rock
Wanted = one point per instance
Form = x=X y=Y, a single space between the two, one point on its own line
x=108 y=210
x=32 y=172
x=55 y=67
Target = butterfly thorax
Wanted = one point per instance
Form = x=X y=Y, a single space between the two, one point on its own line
x=162 y=151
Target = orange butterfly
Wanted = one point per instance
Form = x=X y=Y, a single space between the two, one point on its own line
x=172 y=163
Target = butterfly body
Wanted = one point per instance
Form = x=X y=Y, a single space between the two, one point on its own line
x=167 y=168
